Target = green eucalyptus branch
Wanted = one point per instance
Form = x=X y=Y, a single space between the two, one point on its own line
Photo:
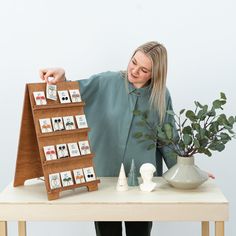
x=202 y=130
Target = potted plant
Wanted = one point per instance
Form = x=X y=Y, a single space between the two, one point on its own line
x=202 y=130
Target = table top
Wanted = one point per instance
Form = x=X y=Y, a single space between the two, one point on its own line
x=30 y=202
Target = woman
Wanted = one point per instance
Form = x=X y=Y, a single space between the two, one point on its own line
x=110 y=99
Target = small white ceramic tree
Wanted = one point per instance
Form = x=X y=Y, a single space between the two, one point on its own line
x=122 y=181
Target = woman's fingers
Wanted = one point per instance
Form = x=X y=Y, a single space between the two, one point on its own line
x=211 y=176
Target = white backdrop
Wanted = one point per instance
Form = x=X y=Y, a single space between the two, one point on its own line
x=87 y=37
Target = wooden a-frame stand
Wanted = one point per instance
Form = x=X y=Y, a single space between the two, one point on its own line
x=31 y=161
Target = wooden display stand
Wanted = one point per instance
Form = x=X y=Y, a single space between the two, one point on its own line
x=31 y=161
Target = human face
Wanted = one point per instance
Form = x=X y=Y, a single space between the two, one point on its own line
x=139 y=69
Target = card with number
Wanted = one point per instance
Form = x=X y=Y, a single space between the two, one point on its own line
x=69 y=122
x=89 y=174
x=54 y=181
x=66 y=178
x=45 y=125
x=39 y=98
x=78 y=176
x=75 y=95
x=51 y=92
x=50 y=153
x=84 y=147
x=64 y=96
x=73 y=149
x=81 y=121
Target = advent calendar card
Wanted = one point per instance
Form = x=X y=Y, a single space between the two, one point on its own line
x=64 y=96
x=69 y=122
x=73 y=149
x=39 y=97
x=45 y=125
x=54 y=181
x=50 y=153
x=75 y=95
x=81 y=121
x=84 y=147
x=89 y=174
x=57 y=123
x=66 y=178
x=62 y=151
x=78 y=176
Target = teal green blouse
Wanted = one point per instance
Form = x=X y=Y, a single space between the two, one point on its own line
x=109 y=112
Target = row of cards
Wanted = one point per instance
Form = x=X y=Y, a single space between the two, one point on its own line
x=62 y=150
x=62 y=123
x=64 y=96
x=65 y=178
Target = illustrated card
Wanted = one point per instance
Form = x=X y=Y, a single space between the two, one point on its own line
x=75 y=95
x=64 y=96
x=50 y=153
x=89 y=174
x=62 y=151
x=40 y=98
x=69 y=122
x=73 y=149
x=57 y=124
x=79 y=176
x=84 y=147
x=81 y=121
x=66 y=178
x=45 y=125
x=54 y=181
x=51 y=92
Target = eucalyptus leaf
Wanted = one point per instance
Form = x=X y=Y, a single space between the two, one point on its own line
x=151 y=146
x=137 y=112
x=138 y=135
x=168 y=130
x=222 y=96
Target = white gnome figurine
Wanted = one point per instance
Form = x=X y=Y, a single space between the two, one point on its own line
x=122 y=181
x=147 y=170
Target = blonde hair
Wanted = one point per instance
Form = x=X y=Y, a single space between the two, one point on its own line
x=158 y=55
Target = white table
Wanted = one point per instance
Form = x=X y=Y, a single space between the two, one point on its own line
x=29 y=203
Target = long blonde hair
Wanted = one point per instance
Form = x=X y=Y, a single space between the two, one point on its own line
x=158 y=55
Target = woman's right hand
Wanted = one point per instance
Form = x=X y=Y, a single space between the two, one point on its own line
x=57 y=74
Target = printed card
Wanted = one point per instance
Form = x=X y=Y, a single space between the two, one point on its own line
x=69 y=122
x=73 y=149
x=51 y=92
x=64 y=96
x=81 y=121
x=89 y=174
x=50 y=153
x=45 y=125
x=79 y=176
x=66 y=178
x=84 y=147
x=57 y=124
x=54 y=181
x=39 y=98
x=62 y=151
x=75 y=95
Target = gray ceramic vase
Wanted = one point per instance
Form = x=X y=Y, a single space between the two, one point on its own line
x=185 y=174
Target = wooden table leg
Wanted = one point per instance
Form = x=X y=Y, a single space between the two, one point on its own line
x=3 y=228
x=219 y=228
x=205 y=228
x=22 y=228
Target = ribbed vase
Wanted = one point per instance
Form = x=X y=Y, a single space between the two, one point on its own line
x=185 y=174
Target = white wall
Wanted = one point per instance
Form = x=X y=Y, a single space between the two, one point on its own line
x=87 y=37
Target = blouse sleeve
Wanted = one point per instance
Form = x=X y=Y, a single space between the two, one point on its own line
x=89 y=88
x=169 y=156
